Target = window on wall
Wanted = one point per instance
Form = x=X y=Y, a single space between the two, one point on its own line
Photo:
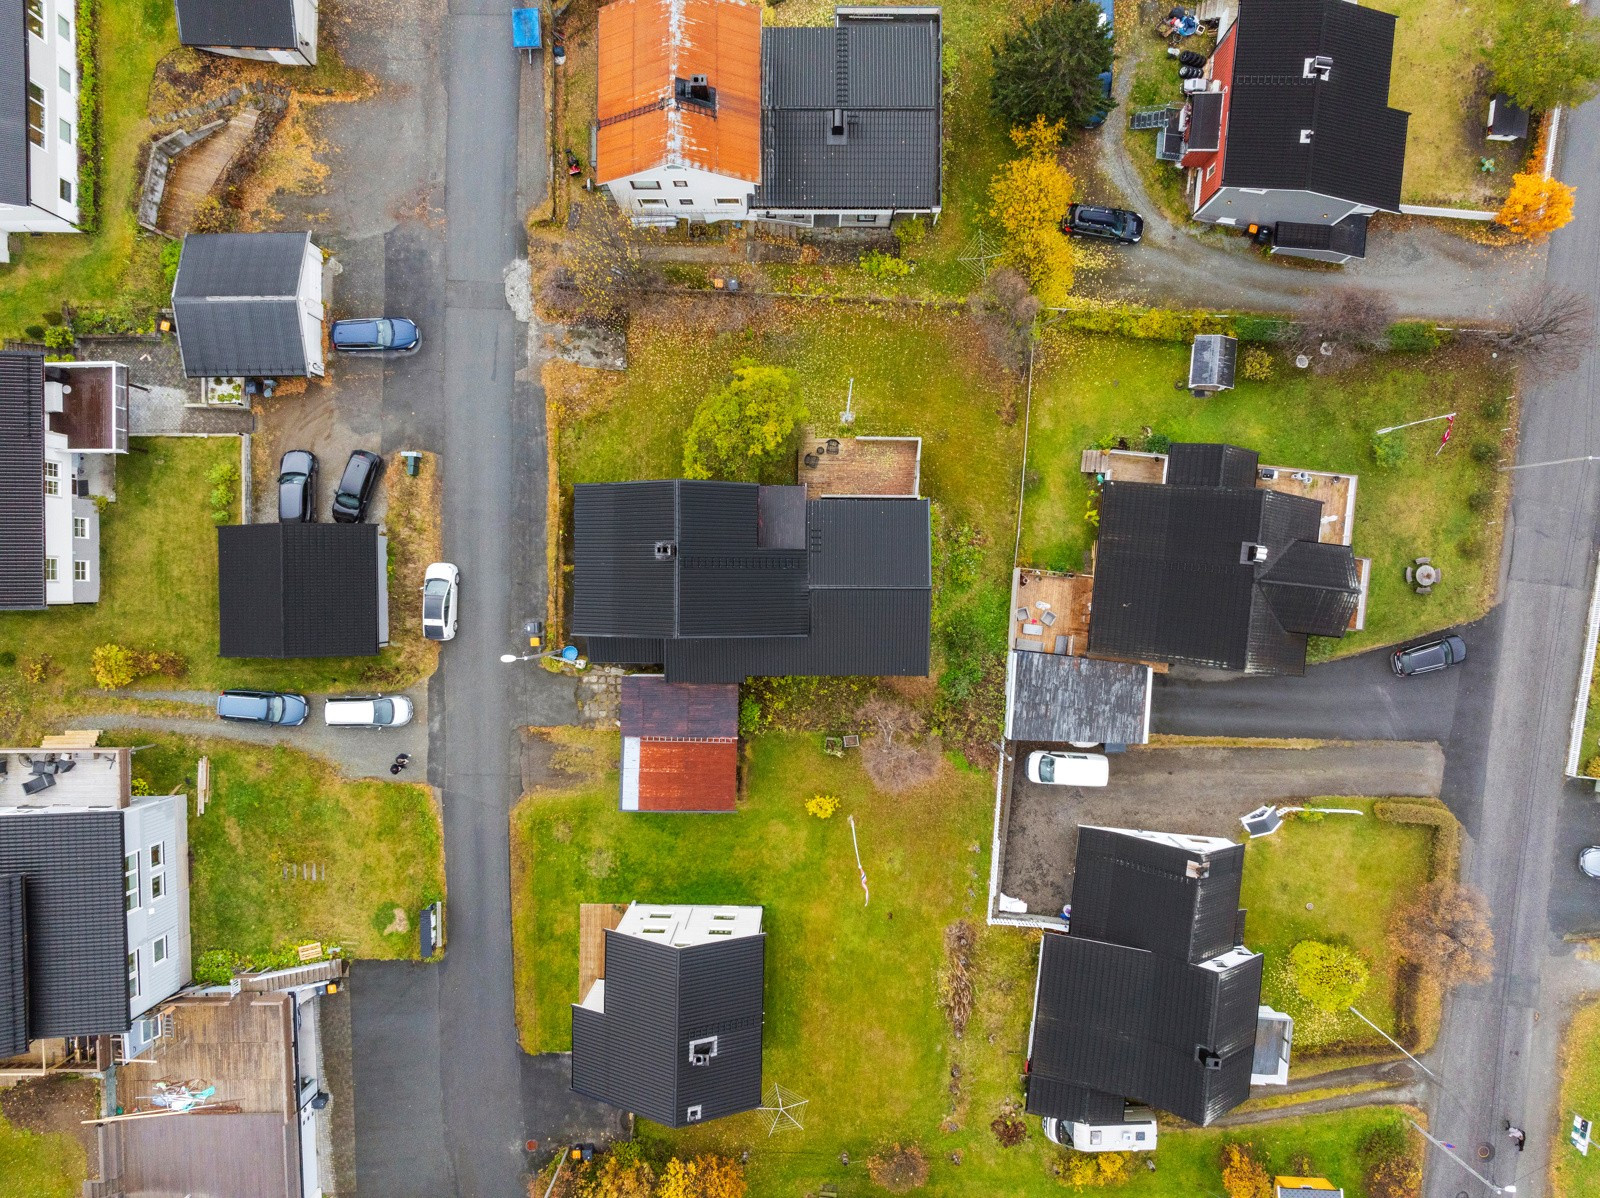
x=680 y=182
x=645 y=185
x=80 y=571
x=52 y=478
x=727 y=201
x=36 y=114
x=652 y=203
x=66 y=190
x=64 y=77
x=869 y=219
x=80 y=527
x=133 y=974
x=34 y=10
x=50 y=570
x=65 y=127
x=158 y=950
x=63 y=26
x=130 y=882
x=158 y=870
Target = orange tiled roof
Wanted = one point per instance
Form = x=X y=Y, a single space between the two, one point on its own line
x=644 y=46
x=684 y=775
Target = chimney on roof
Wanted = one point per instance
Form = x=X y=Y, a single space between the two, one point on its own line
x=666 y=550
x=700 y=88
x=838 y=128
x=1305 y=137
x=696 y=89
x=1319 y=67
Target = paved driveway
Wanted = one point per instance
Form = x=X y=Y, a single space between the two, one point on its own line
x=1200 y=791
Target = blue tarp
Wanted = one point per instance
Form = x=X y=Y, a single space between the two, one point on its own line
x=525 y=28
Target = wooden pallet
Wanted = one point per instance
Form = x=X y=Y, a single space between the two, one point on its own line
x=79 y=738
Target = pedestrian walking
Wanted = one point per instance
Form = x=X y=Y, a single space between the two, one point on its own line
x=1517 y=1135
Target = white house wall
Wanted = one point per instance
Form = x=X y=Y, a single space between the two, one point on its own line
x=149 y=822
x=673 y=192
x=58 y=519
x=311 y=308
x=53 y=69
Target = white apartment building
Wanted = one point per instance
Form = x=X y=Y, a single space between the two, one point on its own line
x=39 y=154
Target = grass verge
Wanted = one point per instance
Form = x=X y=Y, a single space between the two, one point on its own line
x=381 y=844
x=1571 y=1173
x=40 y=1165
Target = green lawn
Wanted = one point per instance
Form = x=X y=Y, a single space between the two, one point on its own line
x=1088 y=388
x=133 y=36
x=1364 y=870
x=854 y=1023
x=158 y=557
x=35 y=1165
x=1573 y=1175
x=379 y=842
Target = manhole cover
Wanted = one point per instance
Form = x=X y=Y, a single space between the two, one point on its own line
x=1486 y=1152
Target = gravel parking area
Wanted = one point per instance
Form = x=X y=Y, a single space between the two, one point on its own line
x=1198 y=791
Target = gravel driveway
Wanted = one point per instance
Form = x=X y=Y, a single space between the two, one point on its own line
x=358 y=752
x=1196 y=791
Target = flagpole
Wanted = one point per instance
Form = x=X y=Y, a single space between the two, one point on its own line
x=1394 y=428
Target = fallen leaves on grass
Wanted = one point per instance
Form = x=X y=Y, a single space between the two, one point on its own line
x=955 y=987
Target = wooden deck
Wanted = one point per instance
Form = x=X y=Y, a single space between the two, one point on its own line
x=243 y=1046
x=594 y=921
x=883 y=466
x=1066 y=597
x=1335 y=492
x=1125 y=465
x=196 y=171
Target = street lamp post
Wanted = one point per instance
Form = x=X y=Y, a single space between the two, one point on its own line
x=1588 y=457
x=1448 y=1151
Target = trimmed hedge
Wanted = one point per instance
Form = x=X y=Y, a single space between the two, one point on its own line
x=1446 y=858
x=1145 y=324
x=88 y=117
x=1247 y=327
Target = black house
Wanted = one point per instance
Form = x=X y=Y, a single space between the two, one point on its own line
x=1149 y=996
x=672 y=1031
x=717 y=581
x=22 y=420
x=302 y=590
x=1208 y=569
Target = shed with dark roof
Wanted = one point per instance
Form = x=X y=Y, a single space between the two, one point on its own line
x=850 y=117
x=22 y=480
x=1212 y=360
x=61 y=873
x=264 y=24
x=249 y=305
x=1149 y=996
x=1056 y=699
x=302 y=590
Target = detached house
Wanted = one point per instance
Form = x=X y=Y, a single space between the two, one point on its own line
x=302 y=590
x=249 y=305
x=1149 y=1000
x=705 y=116
x=94 y=898
x=671 y=1028
x=61 y=423
x=38 y=118
x=1294 y=135
x=281 y=31
x=718 y=581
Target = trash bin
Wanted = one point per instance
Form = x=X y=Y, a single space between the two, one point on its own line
x=413 y=462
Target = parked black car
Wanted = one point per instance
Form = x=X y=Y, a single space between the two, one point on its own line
x=376 y=335
x=1426 y=658
x=361 y=474
x=297 y=487
x=263 y=707
x=1108 y=224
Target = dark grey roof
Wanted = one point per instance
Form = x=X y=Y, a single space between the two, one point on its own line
x=1507 y=117
x=1212 y=358
x=884 y=75
x=13 y=967
x=13 y=104
x=21 y=480
x=1054 y=698
x=298 y=590
x=259 y=24
x=77 y=932
x=235 y=303
x=1199 y=464
x=1174 y=579
x=1348 y=237
x=1205 y=122
x=1136 y=1000
x=658 y=998
x=725 y=603
x=652 y=706
x=1357 y=148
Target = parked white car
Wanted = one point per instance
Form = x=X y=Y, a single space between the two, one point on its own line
x=441 y=594
x=1068 y=769
x=367 y=711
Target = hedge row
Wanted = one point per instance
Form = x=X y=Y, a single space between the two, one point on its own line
x=88 y=117
x=1146 y=324
x=1446 y=860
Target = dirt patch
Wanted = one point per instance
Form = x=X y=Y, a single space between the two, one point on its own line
x=897 y=757
x=399 y=924
x=562 y=759
x=56 y=1105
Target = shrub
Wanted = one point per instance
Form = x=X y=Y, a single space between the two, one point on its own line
x=822 y=806
x=34 y=332
x=620 y=1172
x=1009 y=1129
x=876 y=264
x=113 y=666
x=1157 y=443
x=7 y=659
x=1243 y=1174
x=139 y=785
x=1485 y=453
x=911 y=233
x=1388 y=450
x=1088 y=1170
x=706 y=1176
x=1446 y=857
x=1328 y=976
x=1260 y=328
x=1131 y=320
x=751 y=718
x=88 y=46
x=1028 y=197
x=1351 y=316
x=1256 y=364
x=1414 y=337
x=224 y=498
x=1592 y=769
x=1050 y=65
x=744 y=427
x=1480 y=501
x=898 y=1168
x=214 y=967
x=1391 y=1162
x=170 y=253
x=1445 y=930
x=34 y=669
x=59 y=337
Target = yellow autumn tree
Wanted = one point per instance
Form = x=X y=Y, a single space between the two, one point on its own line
x=706 y=1176
x=1028 y=197
x=1537 y=206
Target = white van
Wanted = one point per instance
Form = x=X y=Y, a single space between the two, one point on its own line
x=1054 y=768
x=367 y=711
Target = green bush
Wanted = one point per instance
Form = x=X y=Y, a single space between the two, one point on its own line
x=910 y=233
x=224 y=498
x=1388 y=451
x=876 y=264
x=751 y=718
x=1480 y=501
x=1446 y=855
x=170 y=253
x=59 y=338
x=215 y=967
x=34 y=332
x=746 y=427
x=88 y=116
x=1414 y=337
x=1328 y=976
x=1157 y=443
x=1131 y=320
x=1485 y=453
x=1256 y=364
x=1260 y=328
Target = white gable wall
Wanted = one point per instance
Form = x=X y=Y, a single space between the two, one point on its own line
x=54 y=158
x=148 y=825
x=309 y=299
x=668 y=193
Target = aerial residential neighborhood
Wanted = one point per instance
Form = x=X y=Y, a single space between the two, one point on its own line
x=777 y=598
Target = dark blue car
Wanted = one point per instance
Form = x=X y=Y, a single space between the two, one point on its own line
x=1107 y=22
x=383 y=334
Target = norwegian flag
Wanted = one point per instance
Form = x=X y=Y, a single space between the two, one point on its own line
x=1449 y=427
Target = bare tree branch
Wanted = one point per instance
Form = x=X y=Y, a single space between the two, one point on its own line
x=1547 y=330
